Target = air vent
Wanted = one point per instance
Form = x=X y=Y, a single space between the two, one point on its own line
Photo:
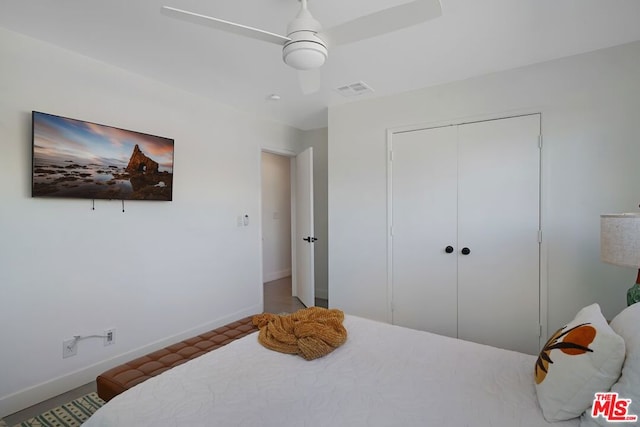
x=354 y=89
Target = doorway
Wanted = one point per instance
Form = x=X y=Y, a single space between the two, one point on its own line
x=278 y=295
x=288 y=232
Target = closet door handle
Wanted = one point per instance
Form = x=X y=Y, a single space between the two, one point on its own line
x=448 y=249
x=465 y=251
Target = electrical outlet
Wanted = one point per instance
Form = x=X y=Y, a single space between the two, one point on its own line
x=109 y=336
x=69 y=348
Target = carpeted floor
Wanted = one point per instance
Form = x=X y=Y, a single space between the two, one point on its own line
x=71 y=414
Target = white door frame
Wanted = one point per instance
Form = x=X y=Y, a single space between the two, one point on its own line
x=544 y=285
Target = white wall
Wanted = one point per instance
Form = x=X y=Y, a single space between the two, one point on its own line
x=276 y=216
x=158 y=272
x=590 y=107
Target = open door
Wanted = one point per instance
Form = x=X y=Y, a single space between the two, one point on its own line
x=304 y=233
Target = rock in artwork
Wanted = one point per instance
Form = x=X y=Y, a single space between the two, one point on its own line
x=139 y=163
x=77 y=159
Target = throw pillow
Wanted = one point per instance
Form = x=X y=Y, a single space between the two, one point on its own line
x=627 y=325
x=580 y=359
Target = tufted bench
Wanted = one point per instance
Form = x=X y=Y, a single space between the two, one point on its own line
x=121 y=378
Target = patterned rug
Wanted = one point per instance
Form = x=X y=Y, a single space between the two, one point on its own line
x=71 y=414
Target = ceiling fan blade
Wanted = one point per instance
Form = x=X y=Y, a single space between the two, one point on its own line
x=384 y=21
x=220 y=24
x=310 y=81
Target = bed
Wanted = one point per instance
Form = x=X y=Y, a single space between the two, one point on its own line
x=383 y=375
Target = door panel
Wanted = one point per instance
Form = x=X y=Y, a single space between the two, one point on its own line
x=498 y=220
x=424 y=174
x=304 y=281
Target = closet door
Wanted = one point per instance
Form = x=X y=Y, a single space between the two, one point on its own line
x=424 y=188
x=498 y=221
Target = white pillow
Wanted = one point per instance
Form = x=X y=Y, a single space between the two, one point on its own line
x=586 y=357
x=627 y=325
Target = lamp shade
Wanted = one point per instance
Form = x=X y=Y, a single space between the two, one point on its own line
x=620 y=239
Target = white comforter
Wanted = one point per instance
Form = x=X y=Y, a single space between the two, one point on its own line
x=383 y=375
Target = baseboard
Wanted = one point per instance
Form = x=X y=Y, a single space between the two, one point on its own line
x=275 y=275
x=30 y=396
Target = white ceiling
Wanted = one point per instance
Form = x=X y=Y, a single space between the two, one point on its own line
x=472 y=37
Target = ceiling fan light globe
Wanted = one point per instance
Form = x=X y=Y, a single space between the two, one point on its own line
x=305 y=54
x=305 y=50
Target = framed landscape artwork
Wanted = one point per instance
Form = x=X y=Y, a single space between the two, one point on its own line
x=78 y=159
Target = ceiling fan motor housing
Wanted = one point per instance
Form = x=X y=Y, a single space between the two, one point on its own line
x=305 y=50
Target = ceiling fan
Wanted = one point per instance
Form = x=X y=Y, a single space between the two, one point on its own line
x=306 y=45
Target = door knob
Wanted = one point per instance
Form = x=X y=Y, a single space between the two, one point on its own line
x=465 y=251
x=448 y=249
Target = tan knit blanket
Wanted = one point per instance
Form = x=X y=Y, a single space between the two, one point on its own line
x=310 y=332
